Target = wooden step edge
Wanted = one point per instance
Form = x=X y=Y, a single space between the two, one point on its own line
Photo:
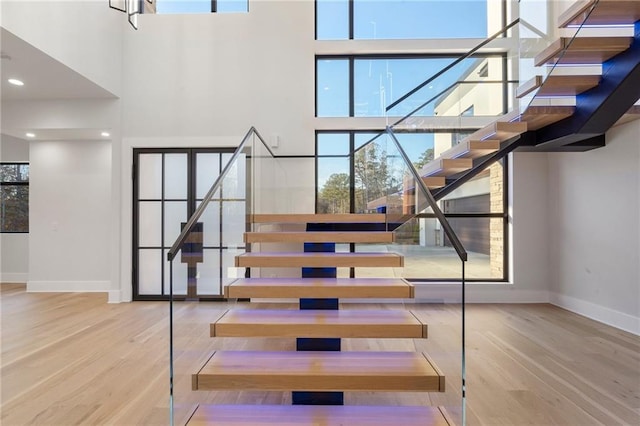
x=317 y=218
x=319 y=260
x=269 y=288
x=568 y=85
x=194 y=376
x=319 y=237
x=446 y=166
x=582 y=50
x=441 y=387
x=425 y=331
x=529 y=86
x=315 y=415
x=343 y=323
x=573 y=13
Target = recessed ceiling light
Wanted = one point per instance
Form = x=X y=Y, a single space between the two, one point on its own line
x=105 y=134
x=16 y=82
x=30 y=135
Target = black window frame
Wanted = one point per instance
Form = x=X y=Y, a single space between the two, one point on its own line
x=16 y=183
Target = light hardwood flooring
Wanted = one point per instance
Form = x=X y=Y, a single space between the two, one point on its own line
x=73 y=359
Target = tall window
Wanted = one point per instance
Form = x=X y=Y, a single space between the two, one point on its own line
x=356 y=172
x=401 y=19
x=14 y=201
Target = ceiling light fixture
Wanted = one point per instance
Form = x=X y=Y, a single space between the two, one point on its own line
x=105 y=134
x=30 y=135
x=16 y=82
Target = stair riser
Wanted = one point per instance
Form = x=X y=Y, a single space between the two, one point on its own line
x=335 y=262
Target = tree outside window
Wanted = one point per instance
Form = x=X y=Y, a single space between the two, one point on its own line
x=14 y=197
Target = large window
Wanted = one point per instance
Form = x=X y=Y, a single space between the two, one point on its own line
x=355 y=174
x=14 y=201
x=401 y=19
x=364 y=86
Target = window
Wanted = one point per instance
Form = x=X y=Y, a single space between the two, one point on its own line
x=365 y=86
x=401 y=19
x=201 y=6
x=14 y=201
x=357 y=172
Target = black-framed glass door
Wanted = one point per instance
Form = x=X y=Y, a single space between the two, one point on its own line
x=168 y=185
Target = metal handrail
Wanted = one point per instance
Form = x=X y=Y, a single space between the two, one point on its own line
x=448 y=230
x=177 y=245
x=451 y=65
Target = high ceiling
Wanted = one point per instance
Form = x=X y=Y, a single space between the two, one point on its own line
x=44 y=79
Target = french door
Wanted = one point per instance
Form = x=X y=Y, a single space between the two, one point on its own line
x=168 y=185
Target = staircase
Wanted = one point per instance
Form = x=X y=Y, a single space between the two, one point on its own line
x=318 y=373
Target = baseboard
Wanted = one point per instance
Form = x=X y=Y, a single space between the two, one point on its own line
x=68 y=286
x=14 y=277
x=598 y=313
x=115 y=296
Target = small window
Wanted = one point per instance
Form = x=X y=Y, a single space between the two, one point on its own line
x=14 y=198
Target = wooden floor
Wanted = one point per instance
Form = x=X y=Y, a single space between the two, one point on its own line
x=73 y=359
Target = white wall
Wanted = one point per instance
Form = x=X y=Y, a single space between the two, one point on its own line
x=85 y=35
x=70 y=216
x=14 y=248
x=595 y=229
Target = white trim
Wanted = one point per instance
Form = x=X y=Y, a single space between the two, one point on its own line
x=598 y=313
x=115 y=296
x=14 y=277
x=68 y=286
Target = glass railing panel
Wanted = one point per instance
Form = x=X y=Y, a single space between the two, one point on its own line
x=204 y=256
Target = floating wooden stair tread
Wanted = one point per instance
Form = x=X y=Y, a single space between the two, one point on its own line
x=319 y=260
x=538 y=117
x=369 y=323
x=500 y=130
x=472 y=149
x=446 y=166
x=607 y=12
x=318 y=237
x=340 y=288
x=319 y=371
x=582 y=50
x=316 y=415
x=559 y=85
x=318 y=218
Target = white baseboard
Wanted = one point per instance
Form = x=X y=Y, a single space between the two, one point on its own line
x=68 y=286
x=14 y=277
x=599 y=313
x=115 y=296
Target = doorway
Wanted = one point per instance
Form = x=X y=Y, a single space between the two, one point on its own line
x=168 y=185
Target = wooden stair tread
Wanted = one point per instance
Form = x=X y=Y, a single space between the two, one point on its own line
x=314 y=415
x=607 y=12
x=319 y=371
x=559 y=85
x=446 y=166
x=369 y=323
x=316 y=237
x=538 y=117
x=500 y=130
x=582 y=50
x=318 y=218
x=472 y=149
x=320 y=287
x=318 y=260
